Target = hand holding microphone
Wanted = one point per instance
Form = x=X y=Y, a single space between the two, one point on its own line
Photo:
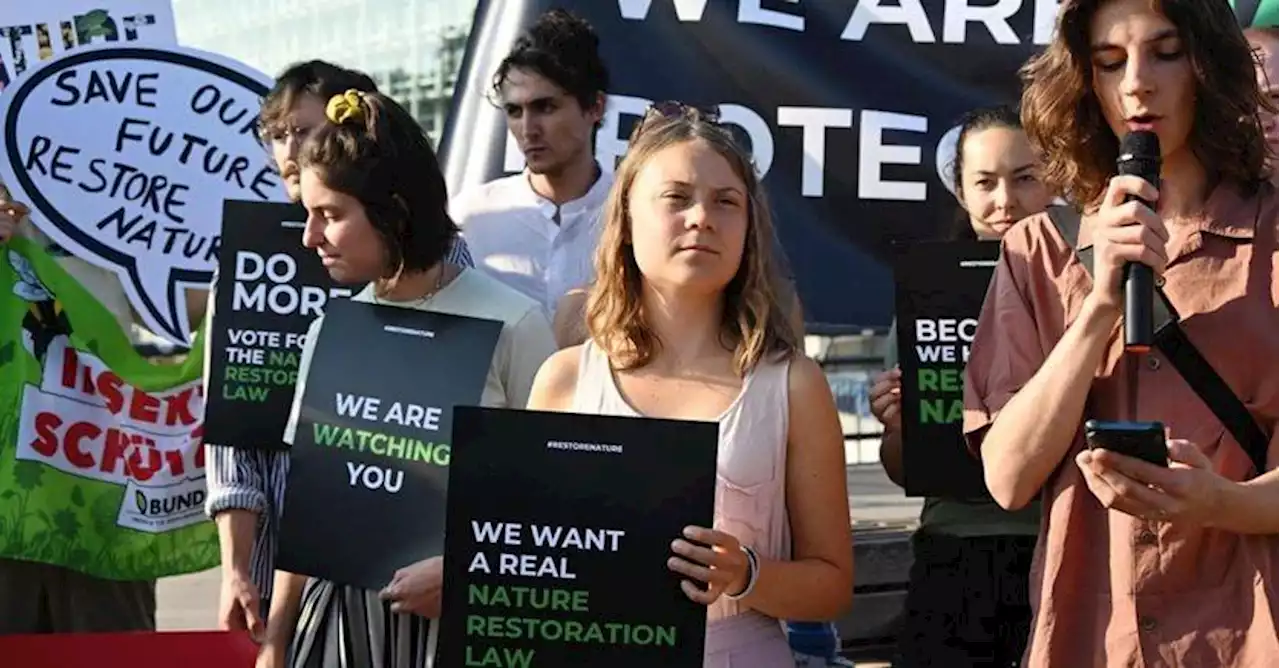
x=1129 y=241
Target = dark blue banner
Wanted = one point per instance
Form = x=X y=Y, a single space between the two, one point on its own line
x=848 y=106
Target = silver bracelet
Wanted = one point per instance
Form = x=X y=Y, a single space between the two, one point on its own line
x=753 y=574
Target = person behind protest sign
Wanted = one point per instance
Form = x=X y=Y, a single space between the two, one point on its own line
x=685 y=323
x=377 y=214
x=246 y=485
x=536 y=230
x=967 y=603
x=1139 y=564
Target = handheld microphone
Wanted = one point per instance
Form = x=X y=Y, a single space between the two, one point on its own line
x=1139 y=156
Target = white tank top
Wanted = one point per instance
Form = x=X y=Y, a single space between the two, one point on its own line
x=751 y=502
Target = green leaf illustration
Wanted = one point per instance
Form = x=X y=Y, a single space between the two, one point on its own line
x=94 y=23
x=77 y=496
x=140 y=501
x=104 y=510
x=65 y=524
x=6 y=353
x=27 y=474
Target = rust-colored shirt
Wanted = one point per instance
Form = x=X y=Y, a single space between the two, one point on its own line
x=1109 y=589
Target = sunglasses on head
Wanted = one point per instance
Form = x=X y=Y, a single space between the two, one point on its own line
x=676 y=109
x=671 y=110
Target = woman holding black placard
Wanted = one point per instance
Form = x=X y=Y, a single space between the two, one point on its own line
x=377 y=214
x=967 y=604
x=685 y=323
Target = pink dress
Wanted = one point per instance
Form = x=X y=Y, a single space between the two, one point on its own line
x=750 y=497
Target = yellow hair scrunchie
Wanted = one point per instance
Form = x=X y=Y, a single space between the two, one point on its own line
x=344 y=107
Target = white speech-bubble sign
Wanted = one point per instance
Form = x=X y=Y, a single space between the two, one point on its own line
x=125 y=156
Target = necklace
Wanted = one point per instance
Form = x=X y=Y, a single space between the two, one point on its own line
x=439 y=283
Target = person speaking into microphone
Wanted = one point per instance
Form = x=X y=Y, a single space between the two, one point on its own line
x=1169 y=558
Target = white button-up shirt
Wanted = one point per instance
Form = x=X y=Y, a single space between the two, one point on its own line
x=512 y=234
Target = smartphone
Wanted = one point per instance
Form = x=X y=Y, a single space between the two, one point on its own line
x=1140 y=440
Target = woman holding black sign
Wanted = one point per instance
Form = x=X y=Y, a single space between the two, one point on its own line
x=376 y=204
x=685 y=323
x=1167 y=557
x=967 y=604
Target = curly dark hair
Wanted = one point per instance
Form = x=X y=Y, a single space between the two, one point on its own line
x=563 y=48
x=1064 y=121
x=384 y=159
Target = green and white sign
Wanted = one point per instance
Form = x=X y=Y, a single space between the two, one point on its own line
x=101 y=458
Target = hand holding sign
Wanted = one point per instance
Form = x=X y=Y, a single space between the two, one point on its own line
x=723 y=566
x=886 y=399
x=127 y=154
x=416 y=588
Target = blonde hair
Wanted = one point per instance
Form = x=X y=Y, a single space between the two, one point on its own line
x=753 y=324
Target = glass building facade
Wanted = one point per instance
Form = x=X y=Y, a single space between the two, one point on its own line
x=412 y=48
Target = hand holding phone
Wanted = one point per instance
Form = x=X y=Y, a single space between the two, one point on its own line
x=1140 y=440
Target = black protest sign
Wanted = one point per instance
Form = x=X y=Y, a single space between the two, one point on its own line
x=940 y=290
x=849 y=108
x=270 y=288
x=558 y=533
x=370 y=458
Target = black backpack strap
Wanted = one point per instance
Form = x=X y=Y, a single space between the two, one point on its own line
x=1171 y=340
x=1214 y=392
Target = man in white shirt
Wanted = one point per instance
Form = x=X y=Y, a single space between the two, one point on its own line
x=537 y=230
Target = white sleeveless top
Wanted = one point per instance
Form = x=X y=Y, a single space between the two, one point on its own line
x=751 y=502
